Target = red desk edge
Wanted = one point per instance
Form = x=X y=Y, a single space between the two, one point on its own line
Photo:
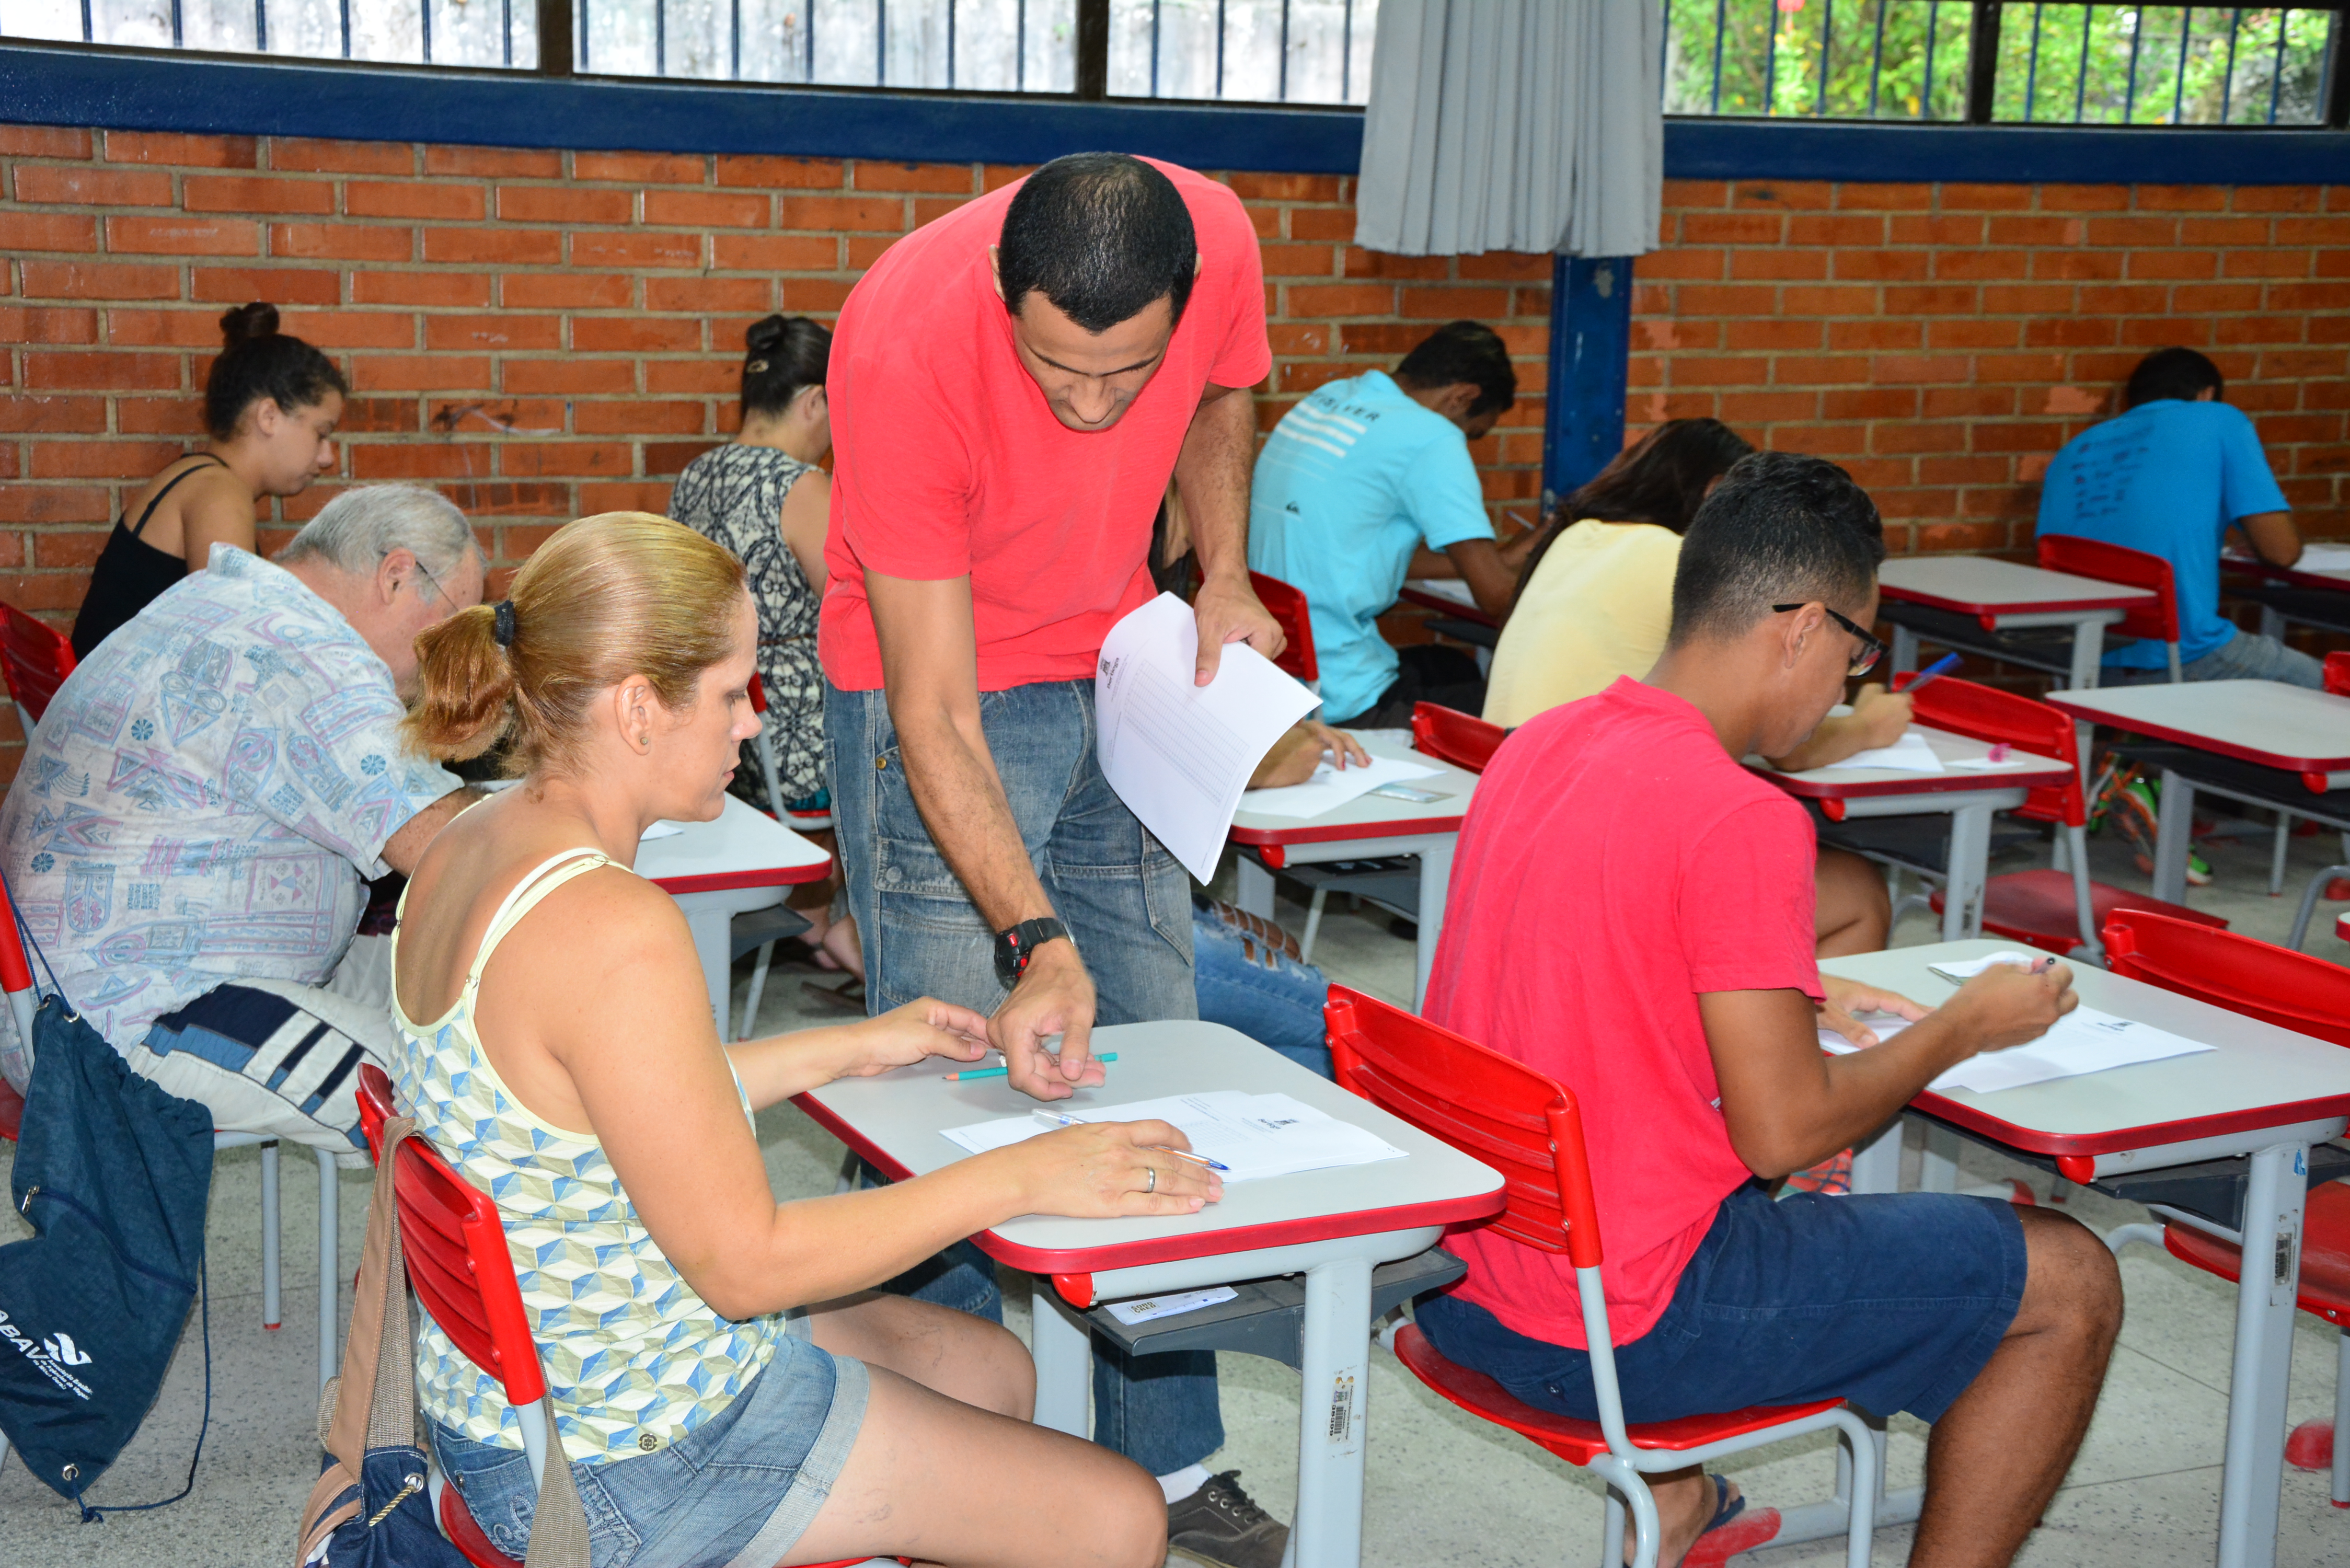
x=1308 y=832
x=2292 y=577
x=727 y=881
x=2121 y=1139
x=1916 y=784
x=1171 y=1249
x=2122 y=599
x=2056 y=700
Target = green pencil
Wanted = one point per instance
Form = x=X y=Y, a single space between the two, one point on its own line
x=969 y=1073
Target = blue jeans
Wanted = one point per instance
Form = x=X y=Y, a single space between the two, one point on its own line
x=1267 y=995
x=1126 y=900
x=2247 y=656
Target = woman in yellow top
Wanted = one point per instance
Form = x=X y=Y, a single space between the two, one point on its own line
x=727 y=1384
x=1596 y=598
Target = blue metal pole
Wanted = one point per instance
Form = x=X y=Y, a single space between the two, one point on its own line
x=1590 y=344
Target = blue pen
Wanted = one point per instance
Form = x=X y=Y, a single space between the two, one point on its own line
x=969 y=1073
x=1063 y=1119
x=1933 y=671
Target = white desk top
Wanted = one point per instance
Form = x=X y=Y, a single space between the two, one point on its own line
x=897 y=1121
x=1983 y=584
x=2269 y=723
x=743 y=849
x=2260 y=1075
x=2020 y=770
x=1372 y=815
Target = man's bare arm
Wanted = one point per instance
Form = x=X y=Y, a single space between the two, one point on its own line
x=404 y=849
x=1212 y=473
x=1789 y=1106
x=2274 y=537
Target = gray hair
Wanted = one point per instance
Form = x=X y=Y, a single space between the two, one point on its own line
x=356 y=530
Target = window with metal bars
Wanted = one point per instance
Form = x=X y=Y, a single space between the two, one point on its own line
x=2040 y=62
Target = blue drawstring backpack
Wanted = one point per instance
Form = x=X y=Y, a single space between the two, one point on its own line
x=113 y=1174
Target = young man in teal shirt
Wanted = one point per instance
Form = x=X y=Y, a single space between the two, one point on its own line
x=1359 y=477
x=2170 y=475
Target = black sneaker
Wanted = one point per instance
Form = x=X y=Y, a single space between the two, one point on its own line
x=1222 y=1525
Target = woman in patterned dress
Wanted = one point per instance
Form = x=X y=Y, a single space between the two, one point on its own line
x=763 y=498
x=726 y=1384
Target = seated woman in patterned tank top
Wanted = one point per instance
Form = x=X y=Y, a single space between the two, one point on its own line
x=727 y=1386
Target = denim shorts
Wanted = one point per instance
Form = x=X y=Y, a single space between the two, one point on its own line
x=739 y=1488
x=1892 y=1301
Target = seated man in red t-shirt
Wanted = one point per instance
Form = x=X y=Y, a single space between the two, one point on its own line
x=1631 y=913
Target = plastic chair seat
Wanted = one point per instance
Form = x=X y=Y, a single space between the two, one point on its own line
x=1579 y=1442
x=12 y=1111
x=2035 y=908
x=2325 y=1252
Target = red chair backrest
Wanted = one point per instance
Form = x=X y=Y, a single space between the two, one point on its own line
x=2119 y=564
x=35 y=657
x=16 y=968
x=1288 y=605
x=758 y=694
x=1450 y=735
x=455 y=1248
x=1986 y=714
x=2238 y=972
x=1483 y=1104
x=2337 y=674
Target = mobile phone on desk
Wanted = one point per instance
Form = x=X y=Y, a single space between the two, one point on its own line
x=1405 y=792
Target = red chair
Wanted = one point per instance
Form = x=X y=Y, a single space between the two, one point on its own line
x=1451 y=736
x=2135 y=568
x=454 y=1245
x=2057 y=911
x=2294 y=992
x=1530 y=1129
x=24 y=1000
x=35 y=657
x=1288 y=605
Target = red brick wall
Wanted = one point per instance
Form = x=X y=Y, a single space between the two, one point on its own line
x=1943 y=340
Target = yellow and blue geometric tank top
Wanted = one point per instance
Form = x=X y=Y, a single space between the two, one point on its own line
x=634 y=1357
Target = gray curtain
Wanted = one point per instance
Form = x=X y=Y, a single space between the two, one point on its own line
x=1514 y=125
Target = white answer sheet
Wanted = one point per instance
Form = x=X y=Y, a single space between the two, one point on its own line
x=2084 y=1041
x=1331 y=787
x=2318 y=557
x=1909 y=754
x=1181 y=754
x=1255 y=1135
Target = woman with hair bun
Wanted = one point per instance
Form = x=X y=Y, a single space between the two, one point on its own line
x=727 y=1384
x=271 y=405
x=763 y=498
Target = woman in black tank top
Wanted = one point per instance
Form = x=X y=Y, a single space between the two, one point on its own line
x=271 y=405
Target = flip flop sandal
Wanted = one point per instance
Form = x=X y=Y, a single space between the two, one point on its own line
x=850 y=996
x=1720 y=1539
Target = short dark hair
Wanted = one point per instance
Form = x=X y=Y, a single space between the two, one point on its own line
x=782 y=354
x=1781 y=526
x=2180 y=373
x=259 y=361
x=1100 y=235
x=1462 y=352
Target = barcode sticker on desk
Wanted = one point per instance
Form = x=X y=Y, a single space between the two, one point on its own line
x=1342 y=1407
x=1169 y=1305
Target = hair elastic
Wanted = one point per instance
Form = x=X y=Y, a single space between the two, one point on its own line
x=503 y=634
x=756 y=367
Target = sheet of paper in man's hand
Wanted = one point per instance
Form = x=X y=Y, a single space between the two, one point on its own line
x=1179 y=754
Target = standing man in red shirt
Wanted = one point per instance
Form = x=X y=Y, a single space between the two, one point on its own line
x=1666 y=894
x=1012 y=388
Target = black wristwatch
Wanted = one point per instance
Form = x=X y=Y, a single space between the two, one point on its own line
x=1012 y=948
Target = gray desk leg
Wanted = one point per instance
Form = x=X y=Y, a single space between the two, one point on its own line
x=1336 y=1345
x=330 y=1271
x=1255 y=886
x=2088 y=654
x=1064 y=1350
x=1938 y=1166
x=2271 y=623
x=1876 y=1165
x=1435 y=877
x=1905 y=647
x=2174 y=836
x=2261 y=1372
x=1969 y=863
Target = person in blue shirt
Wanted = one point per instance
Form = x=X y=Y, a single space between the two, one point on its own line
x=1359 y=476
x=2170 y=475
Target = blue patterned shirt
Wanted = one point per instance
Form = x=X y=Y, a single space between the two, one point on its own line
x=207 y=794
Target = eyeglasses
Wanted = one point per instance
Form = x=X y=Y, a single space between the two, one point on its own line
x=426 y=573
x=1871 y=648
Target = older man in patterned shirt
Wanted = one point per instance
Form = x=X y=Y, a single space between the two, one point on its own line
x=192 y=830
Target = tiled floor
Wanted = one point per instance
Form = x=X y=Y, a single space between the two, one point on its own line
x=1443 y=1487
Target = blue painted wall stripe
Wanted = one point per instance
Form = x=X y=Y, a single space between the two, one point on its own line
x=133 y=91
